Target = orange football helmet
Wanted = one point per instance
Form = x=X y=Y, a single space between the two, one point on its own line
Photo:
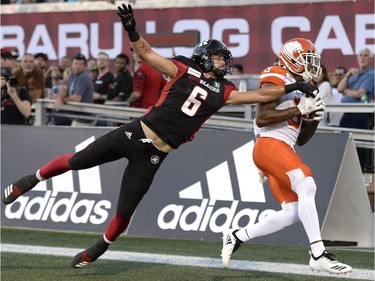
x=300 y=57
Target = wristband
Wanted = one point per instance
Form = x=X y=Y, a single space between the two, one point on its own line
x=291 y=87
x=133 y=36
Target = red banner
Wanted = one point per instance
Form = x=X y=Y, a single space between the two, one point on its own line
x=253 y=33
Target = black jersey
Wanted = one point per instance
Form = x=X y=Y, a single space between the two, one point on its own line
x=186 y=103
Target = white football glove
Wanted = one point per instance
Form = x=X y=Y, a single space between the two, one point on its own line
x=308 y=105
x=319 y=115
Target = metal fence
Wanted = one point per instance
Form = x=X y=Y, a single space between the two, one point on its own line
x=229 y=117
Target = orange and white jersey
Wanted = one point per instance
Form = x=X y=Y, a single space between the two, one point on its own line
x=286 y=131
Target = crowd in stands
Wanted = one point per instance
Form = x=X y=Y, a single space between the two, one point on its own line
x=80 y=79
x=92 y=80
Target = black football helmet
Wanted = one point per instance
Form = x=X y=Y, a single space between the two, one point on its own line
x=203 y=52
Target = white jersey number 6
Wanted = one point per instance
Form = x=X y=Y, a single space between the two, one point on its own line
x=194 y=101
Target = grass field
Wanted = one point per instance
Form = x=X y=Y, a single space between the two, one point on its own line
x=31 y=267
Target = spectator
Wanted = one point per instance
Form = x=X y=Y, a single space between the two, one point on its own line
x=241 y=84
x=93 y=73
x=8 y=59
x=48 y=79
x=237 y=69
x=147 y=85
x=121 y=86
x=65 y=62
x=339 y=75
x=30 y=77
x=357 y=86
x=325 y=89
x=15 y=101
x=61 y=89
x=56 y=78
x=104 y=80
x=91 y=63
x=41 y=60
x=322 y=82
x=333 y=118
x=79 y=89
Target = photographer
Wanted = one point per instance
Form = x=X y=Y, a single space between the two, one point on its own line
x=15 y=101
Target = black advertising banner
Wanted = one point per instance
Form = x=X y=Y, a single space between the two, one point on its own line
x=203 y=187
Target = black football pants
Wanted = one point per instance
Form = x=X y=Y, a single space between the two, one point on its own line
x=144 y=159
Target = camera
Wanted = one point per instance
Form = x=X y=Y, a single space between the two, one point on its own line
x=12 y=82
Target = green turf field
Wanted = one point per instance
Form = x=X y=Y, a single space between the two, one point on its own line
x=31 y=267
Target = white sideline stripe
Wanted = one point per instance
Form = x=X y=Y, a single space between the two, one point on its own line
x=362 y=274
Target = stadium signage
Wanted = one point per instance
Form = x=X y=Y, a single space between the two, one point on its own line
x=206 y=216
x=251 y=34
x=49 y=207
x=203 y=187
x=67 y=199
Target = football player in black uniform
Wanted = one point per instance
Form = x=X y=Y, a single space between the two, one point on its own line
x=195 y=90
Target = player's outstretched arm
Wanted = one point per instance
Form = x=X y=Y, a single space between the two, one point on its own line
x=269 y=94
x=141 y=47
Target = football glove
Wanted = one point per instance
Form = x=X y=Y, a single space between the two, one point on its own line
x=308 y=105
x=308 y=89
x=319 y=115
x=128 y=21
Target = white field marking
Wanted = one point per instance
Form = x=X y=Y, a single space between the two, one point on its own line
x=362 y=274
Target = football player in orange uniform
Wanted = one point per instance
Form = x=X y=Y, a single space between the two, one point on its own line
x=278 y=127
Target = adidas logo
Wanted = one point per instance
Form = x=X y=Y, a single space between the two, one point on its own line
x=8 y=190
x=220 y=188
x=339 y=267
x=128 y=134
x=64 y=197
x=229 y=241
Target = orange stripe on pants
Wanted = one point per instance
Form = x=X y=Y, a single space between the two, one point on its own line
x=275 y=158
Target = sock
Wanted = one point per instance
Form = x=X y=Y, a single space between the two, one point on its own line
x=116 y=226
x=307 y=211
x=56 y=166
x=317 y=248
x=274 y=222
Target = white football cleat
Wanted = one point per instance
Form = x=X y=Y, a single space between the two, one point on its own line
x=230 y=244
x=327 y=262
